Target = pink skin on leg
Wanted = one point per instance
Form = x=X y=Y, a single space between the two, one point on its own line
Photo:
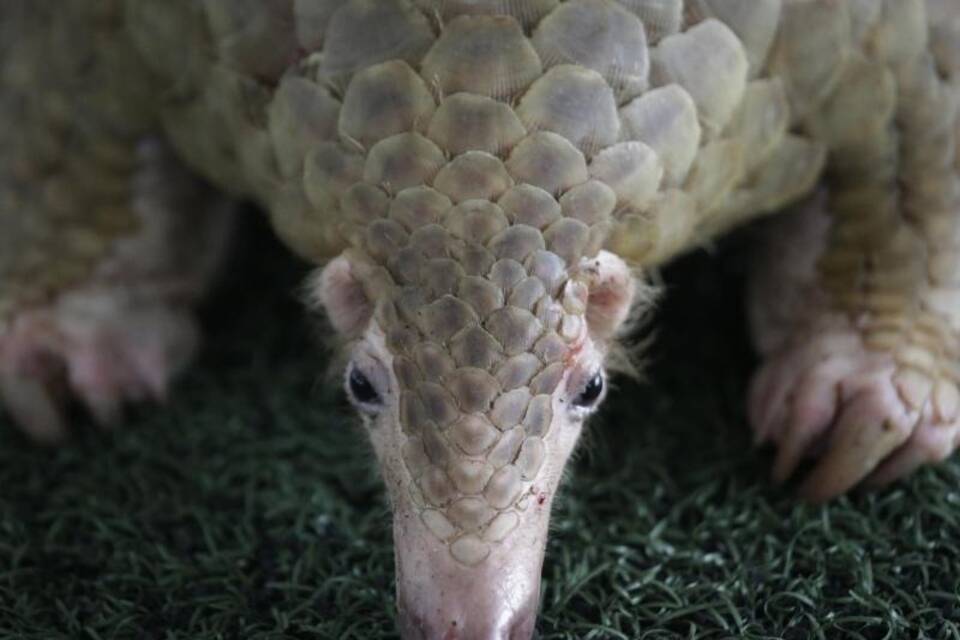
x=106 y=356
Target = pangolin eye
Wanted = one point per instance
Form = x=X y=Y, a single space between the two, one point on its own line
x=362 y=391
x=591 y=393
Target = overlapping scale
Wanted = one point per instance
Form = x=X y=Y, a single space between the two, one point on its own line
x=754 y=21
x=709 y=62
x=254 y=37
x=383 y=100
x=597 y=35
x=361 y=33
x=311 y=18
x=660 y=18
x=486 y=55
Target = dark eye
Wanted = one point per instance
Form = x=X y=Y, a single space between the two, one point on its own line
x=361 y=389
x=591 y=393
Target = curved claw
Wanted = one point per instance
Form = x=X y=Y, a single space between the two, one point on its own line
x=762 y=403
x=930 y=443
x=99 y=375
x=812 y=412
x=33 y=407
x=770 y=390
x=871 y=426
x=105 y=355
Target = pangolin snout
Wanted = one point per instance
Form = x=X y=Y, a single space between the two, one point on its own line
x=441 y=598
x=470 y=622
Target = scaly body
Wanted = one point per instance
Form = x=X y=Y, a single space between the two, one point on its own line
x=484 y=182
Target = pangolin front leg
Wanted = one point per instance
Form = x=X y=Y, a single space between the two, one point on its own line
x=106 y=240
x=854 y=297
x=122 y=323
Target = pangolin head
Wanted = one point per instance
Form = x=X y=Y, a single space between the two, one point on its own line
x=474 y=180
x=477 y=351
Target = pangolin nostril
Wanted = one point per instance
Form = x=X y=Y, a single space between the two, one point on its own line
x=519 y=627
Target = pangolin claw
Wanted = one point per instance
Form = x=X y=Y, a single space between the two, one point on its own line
x=863 y=436
x=104 y=360
x=843 y=406
x=33 y=407
x=930 y=443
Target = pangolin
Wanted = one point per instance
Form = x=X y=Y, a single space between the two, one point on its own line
x=485 y=186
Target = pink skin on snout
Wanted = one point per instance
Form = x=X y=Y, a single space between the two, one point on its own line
x=440 y=598
x=471 y=582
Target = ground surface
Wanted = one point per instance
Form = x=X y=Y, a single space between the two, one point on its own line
x=248 y=509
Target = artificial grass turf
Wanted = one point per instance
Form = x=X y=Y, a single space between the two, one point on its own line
x=248 y=508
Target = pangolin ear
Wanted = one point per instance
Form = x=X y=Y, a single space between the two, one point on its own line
x=341 y=295
x=611 y=291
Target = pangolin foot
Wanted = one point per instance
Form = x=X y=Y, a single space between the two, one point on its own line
x=864 y=418
x=103 y=348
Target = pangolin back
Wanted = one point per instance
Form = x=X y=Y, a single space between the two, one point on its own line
x=651 y=117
